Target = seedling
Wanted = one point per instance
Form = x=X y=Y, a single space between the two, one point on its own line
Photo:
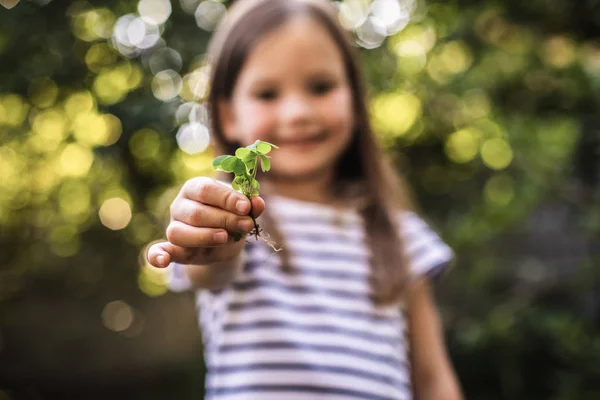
x=244 y=165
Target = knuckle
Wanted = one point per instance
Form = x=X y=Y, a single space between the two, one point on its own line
x=202 y=187
x=226 y=220
x=230 y=199
x=172 y=233
x=189 y=185
x=195 y=216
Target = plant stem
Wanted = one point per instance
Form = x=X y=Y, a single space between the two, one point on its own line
x=249 y=195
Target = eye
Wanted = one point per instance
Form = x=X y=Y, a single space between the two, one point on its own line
x=321 y=88
x=266 y=95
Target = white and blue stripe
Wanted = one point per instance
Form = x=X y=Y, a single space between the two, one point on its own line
x=314 y=332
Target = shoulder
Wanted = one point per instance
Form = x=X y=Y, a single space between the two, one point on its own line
x=427 y=253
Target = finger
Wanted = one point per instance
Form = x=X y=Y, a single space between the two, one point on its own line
x=184 y=235
x=161 y=255
x=258 y=206
x=208 y=191
x=203 y=216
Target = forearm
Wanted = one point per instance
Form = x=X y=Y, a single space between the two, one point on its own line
x=433 y=375
x=441 y=388
x=215 y=276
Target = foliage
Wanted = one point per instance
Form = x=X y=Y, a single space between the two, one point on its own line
x=244 y=165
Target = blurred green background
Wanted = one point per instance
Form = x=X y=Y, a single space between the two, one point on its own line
x=490 y=108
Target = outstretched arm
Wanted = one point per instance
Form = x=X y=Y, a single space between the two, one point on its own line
x=433 y=375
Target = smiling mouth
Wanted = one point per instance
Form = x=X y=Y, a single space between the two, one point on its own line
x=306 y=141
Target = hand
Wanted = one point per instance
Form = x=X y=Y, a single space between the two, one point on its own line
x=204 y=216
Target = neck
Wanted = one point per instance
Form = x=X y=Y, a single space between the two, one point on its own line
x=315 y=189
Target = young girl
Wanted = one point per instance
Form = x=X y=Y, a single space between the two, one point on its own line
x=344 y=311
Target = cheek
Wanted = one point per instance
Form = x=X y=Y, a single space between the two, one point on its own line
x=255 y=122
x=337 y=111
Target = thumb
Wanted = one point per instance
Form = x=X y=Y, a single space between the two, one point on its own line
x=258 y=206
x=162 y=254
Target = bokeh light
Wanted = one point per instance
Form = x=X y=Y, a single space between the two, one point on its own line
x=193 y=137
x=166 y=85
x=132 y=34
x=13 y=110
x=412 y=57
x=92 y=129
x=74 y=201
x=49 y=129
x=75 y=160
x=195 y=85
x=93 y=24
x=157 y=11
x=371 y=33
x=144 y=144
x=496 y=153
x=117 y=316
x=395 y=113
x=374 y=21
x=189 y=6
x=64 y=240
x=115 y=213
x=209 y=13
x=499 y=190
x=99 y=57
x=559 y=52
x=79 y=103
x=462 y=146
x=164 y=58
x=393 y=14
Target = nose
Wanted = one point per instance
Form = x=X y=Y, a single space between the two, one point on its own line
x=296 y=109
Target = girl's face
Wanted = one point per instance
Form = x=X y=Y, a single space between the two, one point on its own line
x=293 y=92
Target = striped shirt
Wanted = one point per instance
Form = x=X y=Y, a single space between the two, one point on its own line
x=314 y=332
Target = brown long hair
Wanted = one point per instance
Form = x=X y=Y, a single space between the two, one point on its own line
x=363 y=162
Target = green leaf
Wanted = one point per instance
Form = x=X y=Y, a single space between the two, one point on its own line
x=254 y=193
x=265 y=163
x=252 y=147
x=245 y=154
x=239 y=168
x=229 y=163
x=251 y=164
x=255 y=184
x=235 y=185
x=270 y=144
x=263 y=148
x=242 y=152
x=217 y=161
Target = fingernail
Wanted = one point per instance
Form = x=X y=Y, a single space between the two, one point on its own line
x=241 y=205
x=160 y=260
x=220 y=237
